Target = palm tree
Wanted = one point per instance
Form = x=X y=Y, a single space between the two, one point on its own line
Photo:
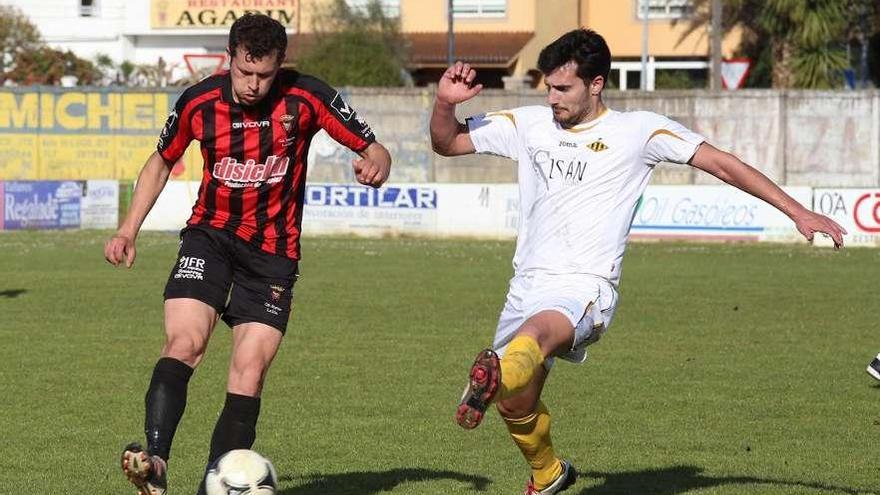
x=806 y=37
x=811 y=36
x=863 y=22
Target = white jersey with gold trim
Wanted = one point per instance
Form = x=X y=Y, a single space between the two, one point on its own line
x=579 y=187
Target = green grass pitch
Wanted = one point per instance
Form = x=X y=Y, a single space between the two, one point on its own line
x=730 y=369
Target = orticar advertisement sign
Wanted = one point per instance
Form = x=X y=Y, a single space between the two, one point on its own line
x=856 y=210
x=329 y=209
x=362 y=210
x=41 y=204
x=219 y=14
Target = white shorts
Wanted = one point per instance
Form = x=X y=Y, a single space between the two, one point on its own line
x=587 y=301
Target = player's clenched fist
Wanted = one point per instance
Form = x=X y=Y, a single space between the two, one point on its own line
x=118 y=249
x=370 y=173
x=373 y=165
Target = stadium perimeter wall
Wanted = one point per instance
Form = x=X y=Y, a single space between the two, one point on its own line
x=798 y=138
x=688 y=212
x=68 y=156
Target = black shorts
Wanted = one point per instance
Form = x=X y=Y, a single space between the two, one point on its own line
x=213 y=261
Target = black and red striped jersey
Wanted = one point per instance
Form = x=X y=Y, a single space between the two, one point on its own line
x=253 y=183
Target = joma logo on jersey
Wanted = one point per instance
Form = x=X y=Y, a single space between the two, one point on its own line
x=251 y=125
x=229 y=169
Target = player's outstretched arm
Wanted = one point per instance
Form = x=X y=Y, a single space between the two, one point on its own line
x=735 y=172
x=120 y=248
x=374 y=165
x=449 y=137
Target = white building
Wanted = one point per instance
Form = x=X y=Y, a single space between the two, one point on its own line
x=141 y=31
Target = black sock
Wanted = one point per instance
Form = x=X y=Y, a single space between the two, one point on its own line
x=237 y=425
x=165 y=402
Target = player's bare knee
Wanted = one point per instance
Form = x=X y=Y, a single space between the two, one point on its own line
x=185 y=347
x=247 y=380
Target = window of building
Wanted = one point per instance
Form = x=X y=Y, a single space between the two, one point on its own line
x=665 y=9
x=88 y=8
x=391 y=8
x=479 y=8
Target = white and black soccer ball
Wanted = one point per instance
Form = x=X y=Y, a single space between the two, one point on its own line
x=241 y=472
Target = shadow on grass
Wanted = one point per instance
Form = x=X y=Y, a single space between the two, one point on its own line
x=11 y=293
x=682 y=479
x=368 y=483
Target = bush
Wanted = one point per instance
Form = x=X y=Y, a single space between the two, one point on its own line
x=45 y=65
x=355 y=47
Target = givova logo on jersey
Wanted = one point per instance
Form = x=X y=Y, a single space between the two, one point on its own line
x=250 y=173
x=252 y=124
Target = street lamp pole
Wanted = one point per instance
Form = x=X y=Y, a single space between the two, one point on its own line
x=450 y=36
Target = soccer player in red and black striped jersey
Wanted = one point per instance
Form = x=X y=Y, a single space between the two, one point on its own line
x=240 y=248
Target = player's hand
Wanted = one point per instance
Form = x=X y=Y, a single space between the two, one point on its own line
x=457 y=84
x=369 y=172
x=809 y=223
x=118 y=249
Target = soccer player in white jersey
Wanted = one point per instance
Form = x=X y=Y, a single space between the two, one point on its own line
x=581 y=168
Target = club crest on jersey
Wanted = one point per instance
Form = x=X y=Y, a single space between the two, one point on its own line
x=597 y=146
x=287 y=121
x=275 y=292
x=250 y=173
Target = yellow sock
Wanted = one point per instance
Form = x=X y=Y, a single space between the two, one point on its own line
x=522 y=358
x=532 y=435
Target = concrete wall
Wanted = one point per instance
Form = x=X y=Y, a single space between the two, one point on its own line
x=818 y=139
x=797 y=138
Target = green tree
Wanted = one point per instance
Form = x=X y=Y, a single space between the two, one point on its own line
x=804 y=40
x=45 y=65
x=809 y=37
x=17 y=35
x=355 y=47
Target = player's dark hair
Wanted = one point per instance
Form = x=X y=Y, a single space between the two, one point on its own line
x=259 y=35
x=585 y=47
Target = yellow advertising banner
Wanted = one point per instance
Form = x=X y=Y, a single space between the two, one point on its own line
x=219 y=14
x=18 y=156
x=54 y=134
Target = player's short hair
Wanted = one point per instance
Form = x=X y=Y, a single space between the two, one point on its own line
x=585 y=47
x=259 y=35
